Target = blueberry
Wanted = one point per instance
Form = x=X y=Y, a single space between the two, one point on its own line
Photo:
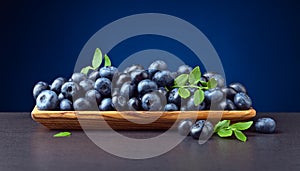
x=159 y=65
x=70 y=90
x=138 y=75
x=77 y=77
x=229 y=92
x=133 y=68
x=93 y=96
x=57 y=83
x=196 y=129
x=106 y=105
x=163 y=78
x=173 y=97
x=134 y=104
x=66 y=105
x=265 y=125
x=163 y=91
x=146 y=86
x=87 y=84
x=151 y=72
x=47 y=100
x=184 y=127
x=108 y=72
x=128 y=90
x=242 y=101
x=82 y=104
x=119 y=103
x=39 y=87
x=202 y=127
x=152 y=102
x=103 y=86
x=213 y=96
x=184 y=69
x=94 y=75
x=171 y=107
x=238 y=87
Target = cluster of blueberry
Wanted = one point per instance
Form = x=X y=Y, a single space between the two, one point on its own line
x=136 y=88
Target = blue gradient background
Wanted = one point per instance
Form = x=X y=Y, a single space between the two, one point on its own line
x=257 y=41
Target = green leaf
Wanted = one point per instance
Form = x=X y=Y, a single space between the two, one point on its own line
x=85 y=70
x=221 y=125
x=198 y=97
x=195 y=75
x=181 y=80
x=183 y=92
x=107 y=61
x=225 y=132
x=97 y=60
x=62 y=134
x=212 y=83
x=240 y=136
x=242 y=125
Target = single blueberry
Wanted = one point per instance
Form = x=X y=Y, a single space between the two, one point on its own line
x=184 y=127
x=152 y=102
x=265 y=125
x=242 y=101
x=103 y=86
x=106 y=105
x=229 y=92
x=120 y=103
x=93 y=96
x=82 y=104
x=66 y=105
x=47 y=100
x=163 y=79
x=159 y=65
x=108 y=72
x=70 y=90
x=138 y=75
x=146 y=86
x=128 y=90
x=134 y=104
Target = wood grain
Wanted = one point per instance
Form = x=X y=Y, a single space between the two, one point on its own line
x=129 y=120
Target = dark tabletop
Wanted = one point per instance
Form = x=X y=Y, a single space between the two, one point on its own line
x=27 y=145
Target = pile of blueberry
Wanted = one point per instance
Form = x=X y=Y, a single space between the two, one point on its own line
x=136 y=88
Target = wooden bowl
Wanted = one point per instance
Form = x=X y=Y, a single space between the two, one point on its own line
x=129 y=120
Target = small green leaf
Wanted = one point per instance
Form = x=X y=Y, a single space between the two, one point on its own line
x=225 y=132
x=221 y=125
x=85 y=70
x=181 y=80
x=62 y=134
x=183 y=92
x=107 y=61
x=198 y=97
x=242 y=125
x=212 y=83
x=240 y=136
x=97 y=60
x=195 y=75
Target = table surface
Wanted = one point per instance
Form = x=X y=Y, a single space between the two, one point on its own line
x=27 y=145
